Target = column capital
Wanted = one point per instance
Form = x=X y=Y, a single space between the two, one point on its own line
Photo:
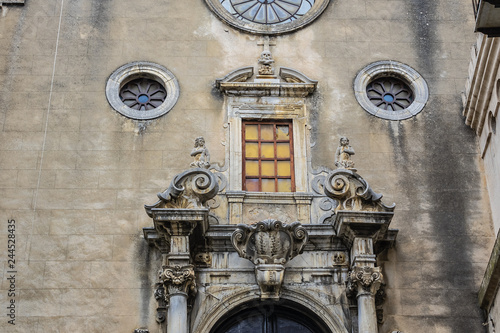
x=365 y=280
x=179 y=279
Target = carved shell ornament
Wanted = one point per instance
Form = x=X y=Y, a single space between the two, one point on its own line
x=269 y=241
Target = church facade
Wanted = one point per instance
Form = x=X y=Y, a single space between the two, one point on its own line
x=212 y=166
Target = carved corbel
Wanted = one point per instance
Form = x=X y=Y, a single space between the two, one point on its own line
x=269 y=245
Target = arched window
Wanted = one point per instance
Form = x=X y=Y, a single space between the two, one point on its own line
x=269 y=317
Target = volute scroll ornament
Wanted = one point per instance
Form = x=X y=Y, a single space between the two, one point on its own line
x=192 y=188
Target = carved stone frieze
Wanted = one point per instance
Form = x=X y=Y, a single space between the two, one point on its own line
x=269 y=241
x=179 y=279
x=365 y=280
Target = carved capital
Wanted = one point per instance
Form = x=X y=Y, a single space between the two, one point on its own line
x=365 y=280
x=179 y=279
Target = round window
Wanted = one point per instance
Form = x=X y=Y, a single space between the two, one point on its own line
x=389 y=93
x=143 y=94
x=391 y=90
x=268 y=16
x=142 y=90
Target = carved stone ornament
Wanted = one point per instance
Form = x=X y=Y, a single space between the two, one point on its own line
x=200 y=154
x=269 y=244
x=343 y=155
x=266 y=63
x=365 y=280
x=179 y=279
x=353 y=192
x=189 y=189
x=269 y=241
x=141 y=330
x=161 y=298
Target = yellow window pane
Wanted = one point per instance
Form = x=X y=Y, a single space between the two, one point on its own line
x=284 y=169
x=266 y=132
x=267 y=150
x=252 y=150
x=252 y=168
x=283 y=150
x=268 y=168
x=251 y=132
x=284 y=185
x=252 y=185
x=282 y=133
x=268 y=185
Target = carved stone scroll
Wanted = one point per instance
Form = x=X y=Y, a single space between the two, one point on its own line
x=353 y=192
x=189 y=189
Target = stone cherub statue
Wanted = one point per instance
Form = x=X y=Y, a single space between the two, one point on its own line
x=200 y=154
x=266 y=63
x=343 y=155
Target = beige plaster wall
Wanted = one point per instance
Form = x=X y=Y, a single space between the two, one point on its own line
x=75 y=174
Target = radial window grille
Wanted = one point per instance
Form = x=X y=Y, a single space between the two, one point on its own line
x=390 y=93
x=143 y=94
x=267 y=11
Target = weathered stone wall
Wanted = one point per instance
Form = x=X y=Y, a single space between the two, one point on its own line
x=75 y=174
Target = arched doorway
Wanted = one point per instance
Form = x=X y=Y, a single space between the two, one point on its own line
x=270 y=317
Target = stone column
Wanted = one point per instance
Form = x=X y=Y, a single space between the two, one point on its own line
x=365 y=281
x=180 y=283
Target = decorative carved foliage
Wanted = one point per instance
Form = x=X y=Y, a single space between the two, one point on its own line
x=161 y=298
x=269 y=241
x=365 y=279
x=353 y=192
x=179 y=279
x=189 y=189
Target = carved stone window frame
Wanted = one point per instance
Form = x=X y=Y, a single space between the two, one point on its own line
x=390 y=68
x=142 y=69
x=267 y=29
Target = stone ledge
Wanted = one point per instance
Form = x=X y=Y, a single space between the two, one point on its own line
x=11 y=2
x=491 y=279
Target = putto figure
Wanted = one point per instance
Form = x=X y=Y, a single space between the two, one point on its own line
x=200 y=154
x=266 y=63
x=343 y=155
